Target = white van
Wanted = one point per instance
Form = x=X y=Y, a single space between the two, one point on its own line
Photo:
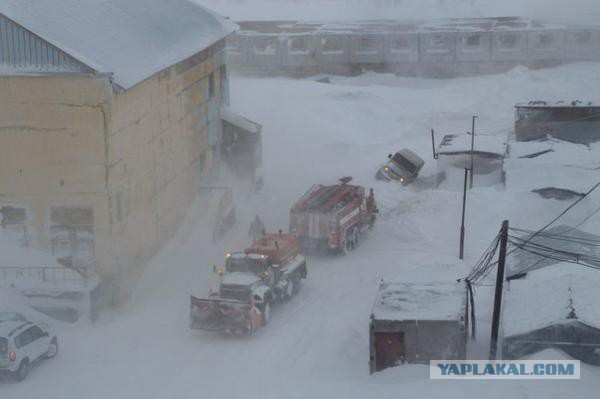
x=403 y=167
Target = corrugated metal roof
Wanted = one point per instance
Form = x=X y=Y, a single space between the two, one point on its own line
x=132 y=39
x=23 y=52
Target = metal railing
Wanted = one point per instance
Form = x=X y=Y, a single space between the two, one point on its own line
x=15 y=274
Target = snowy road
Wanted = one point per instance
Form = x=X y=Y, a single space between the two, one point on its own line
x=316 y=346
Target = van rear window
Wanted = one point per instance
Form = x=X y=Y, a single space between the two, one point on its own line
x=3 y=345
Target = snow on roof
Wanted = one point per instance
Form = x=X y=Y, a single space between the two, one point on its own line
x=235 y=119
x=522 y=175
x=133 y=40
x=405 y=301
x=552 y=164
x=550 y=296
x=395 y=26
x=453 y=144
x=558 y=104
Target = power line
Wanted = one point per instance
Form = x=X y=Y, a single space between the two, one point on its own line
x=566 y=260
x=536 y=233
x=561 y=237
x=562 y=256
x=484 y=265
x=541 y=247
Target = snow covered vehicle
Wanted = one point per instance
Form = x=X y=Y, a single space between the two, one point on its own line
x=22 y=344
x=404 y=167
x=268 y=272
x=333 y=217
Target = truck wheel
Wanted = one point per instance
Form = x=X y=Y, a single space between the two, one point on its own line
x=297 y=283
x=355 y=237
x=347 y=243
x=289 y=290
x=266 y=312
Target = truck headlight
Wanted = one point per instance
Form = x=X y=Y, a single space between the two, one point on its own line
x=401 y=179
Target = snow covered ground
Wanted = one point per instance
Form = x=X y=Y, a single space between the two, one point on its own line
x=316 y=346
x=581 y=11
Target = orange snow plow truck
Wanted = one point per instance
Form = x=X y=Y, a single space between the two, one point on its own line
x=268 y=272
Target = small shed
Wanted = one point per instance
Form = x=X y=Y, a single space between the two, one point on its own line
x=574 y=121
x=416 y=323
x=454 y=156
x=553 y=307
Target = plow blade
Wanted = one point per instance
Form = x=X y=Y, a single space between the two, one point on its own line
x=222 y=315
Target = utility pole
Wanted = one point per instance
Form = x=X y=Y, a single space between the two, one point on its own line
x=435 y=155
x=462 y=225
x=472 y=149
x=498 y=294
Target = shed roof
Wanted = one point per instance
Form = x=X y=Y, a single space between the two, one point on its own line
x=558 y=104
x=235 y=119
x=131 y=39
x=407 y=302
x=453 y=144
x=552 y=295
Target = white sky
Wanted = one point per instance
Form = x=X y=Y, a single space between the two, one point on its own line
x=587 y=11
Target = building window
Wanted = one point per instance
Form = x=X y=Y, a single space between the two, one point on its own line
x=11 y=216
x=583 y=37
x=545 y=40
x=211 y=85
x=223 y=73
x=298 y=45
x=265 y=45
x=400 y=44
x=332 y=45
x=13 y=221
x=72 y=236
x=234 y=45
x=366 y=45
x=224 y=85
x=508 y=41
x=472 y=40
x=437 y=41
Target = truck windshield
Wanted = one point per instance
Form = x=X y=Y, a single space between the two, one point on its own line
x=404 y=163
x=245 y=265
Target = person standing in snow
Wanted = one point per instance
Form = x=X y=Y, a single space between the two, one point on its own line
x=257 y=229
x=371 y=207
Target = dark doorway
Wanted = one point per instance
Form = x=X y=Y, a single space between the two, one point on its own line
x=389 y=349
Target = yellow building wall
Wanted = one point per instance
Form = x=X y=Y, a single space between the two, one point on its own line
x=52 y=150
x=158 y=135
x=135 y=156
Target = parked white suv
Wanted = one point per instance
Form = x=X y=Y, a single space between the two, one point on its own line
x=22 y=344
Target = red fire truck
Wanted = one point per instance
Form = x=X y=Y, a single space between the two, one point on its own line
x=333 y=217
